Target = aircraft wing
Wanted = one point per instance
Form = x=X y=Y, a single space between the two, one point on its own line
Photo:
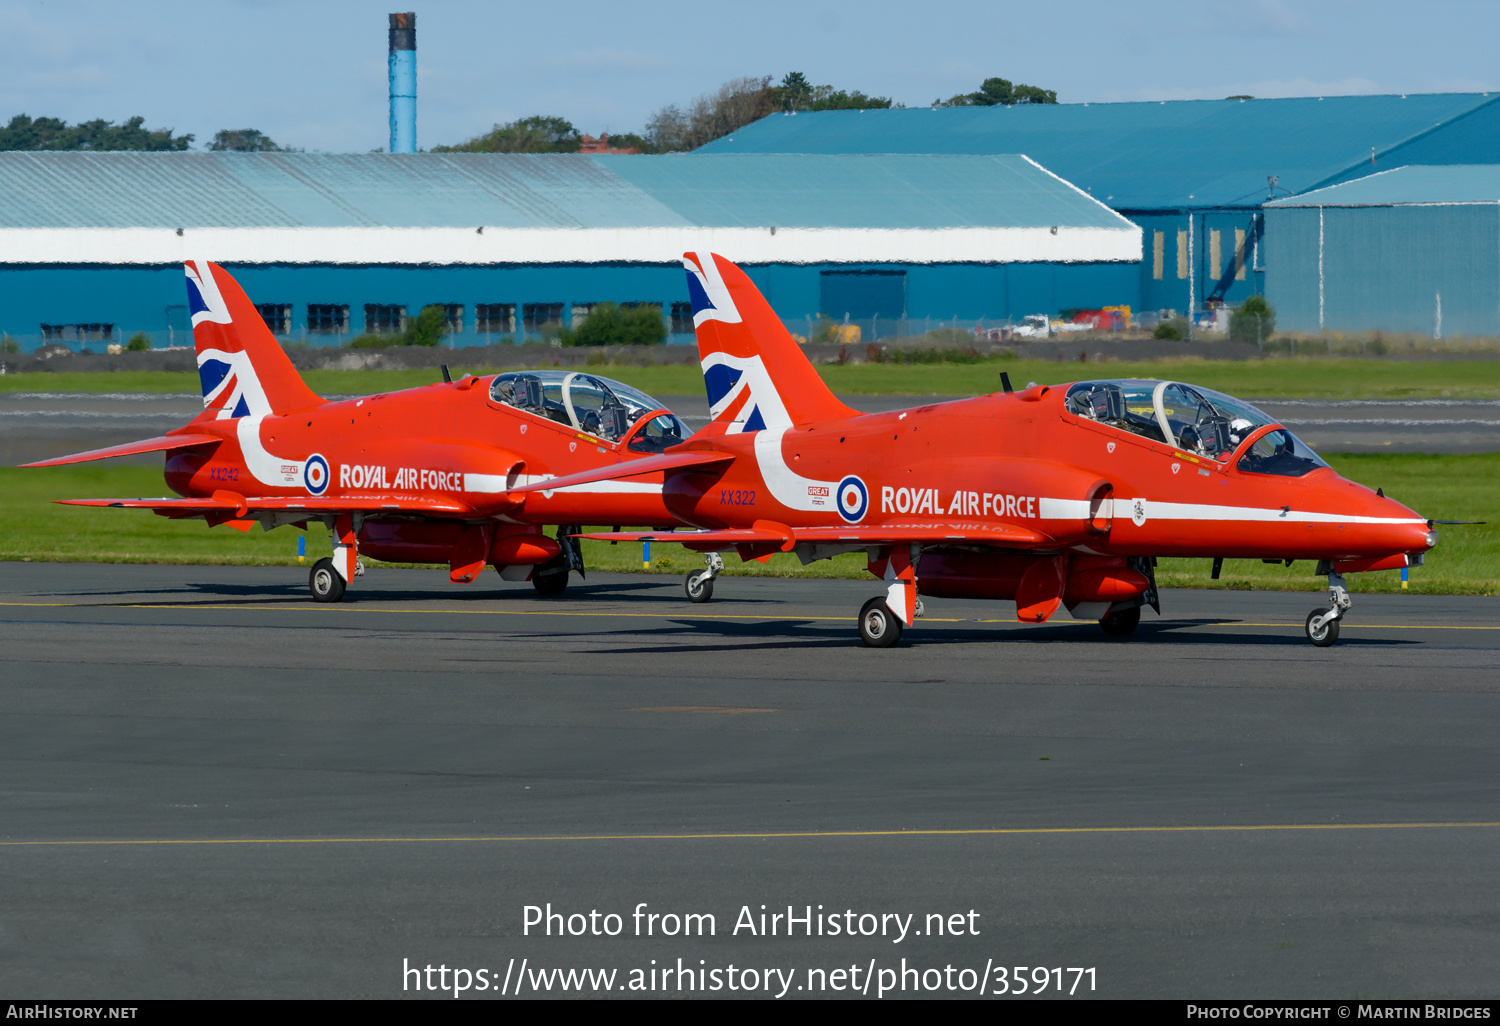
x=162 y=443
x=1000 y=535
x=630 y=468
x=230 y=502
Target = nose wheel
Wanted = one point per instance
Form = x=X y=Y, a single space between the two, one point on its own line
x=699 y=584
x=1322 y=627
x=1323 y=624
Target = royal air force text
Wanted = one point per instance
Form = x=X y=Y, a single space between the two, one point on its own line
x=406 y=479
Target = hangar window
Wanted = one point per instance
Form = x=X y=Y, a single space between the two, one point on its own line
x=581 y=312
x=278 y=317
x=495 y=318
x=453 y=315
x=382 y=319
x=536 y=316
x=682 y=318
x=92 y=332
x=327 y=318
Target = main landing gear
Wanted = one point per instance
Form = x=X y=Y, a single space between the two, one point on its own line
x=1121 y=623
x=329 y=577
x=1323 y=624
x=550 y=579
x=882 y=618
x=326 y=583
x=878 y=626
x=700 y=583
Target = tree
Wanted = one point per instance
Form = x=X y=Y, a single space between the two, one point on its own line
x=796 y=94
x=27 y=133
x=428 y=328
x=1254 y=320
x=536 y=134
x=243 y=140
x=611 y=325
x=999 y=92
x=711 y=116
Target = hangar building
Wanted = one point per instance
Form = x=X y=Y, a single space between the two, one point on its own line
x=1192 y=173
x=1412 y=249
x=514 y=245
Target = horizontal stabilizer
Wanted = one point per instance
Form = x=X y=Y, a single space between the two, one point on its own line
x=629 y=468
x=164 y=443
x=999 y=535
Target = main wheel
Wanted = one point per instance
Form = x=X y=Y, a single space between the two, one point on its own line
x=878 y=626
x=550 y=579
x=1118 y=625
x=324 y=582
x=1326 y=634
x=699 y=586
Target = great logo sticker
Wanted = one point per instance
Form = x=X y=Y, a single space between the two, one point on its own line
x=853 y=499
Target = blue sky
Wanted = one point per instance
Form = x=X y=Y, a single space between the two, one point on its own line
x=314 y=74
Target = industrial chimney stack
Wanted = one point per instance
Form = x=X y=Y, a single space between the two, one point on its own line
x=403 y=75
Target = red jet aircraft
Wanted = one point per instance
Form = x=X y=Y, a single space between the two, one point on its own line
x=425 y=475
x=1051 y=496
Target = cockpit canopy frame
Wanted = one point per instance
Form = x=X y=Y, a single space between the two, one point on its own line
x=593 y=404
x=1195 y=420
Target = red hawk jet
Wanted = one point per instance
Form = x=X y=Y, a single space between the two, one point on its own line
x=425 y=475
x=1050 y=496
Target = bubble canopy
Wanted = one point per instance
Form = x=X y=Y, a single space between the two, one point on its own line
x=591 y=403
x=1193 y=419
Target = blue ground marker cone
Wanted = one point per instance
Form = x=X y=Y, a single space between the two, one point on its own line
x=646 y=554
x=1403 y=577
x=302 y=548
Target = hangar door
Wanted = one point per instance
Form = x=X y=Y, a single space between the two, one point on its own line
x=863 y=295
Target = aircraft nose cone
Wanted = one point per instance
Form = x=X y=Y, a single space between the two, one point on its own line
x=1409 y=532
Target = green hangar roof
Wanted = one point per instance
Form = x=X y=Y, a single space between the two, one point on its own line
x=1169 y=155
x=1454 y=185
x=511 y=208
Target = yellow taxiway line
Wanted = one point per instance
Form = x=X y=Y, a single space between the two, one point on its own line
x=789 y=835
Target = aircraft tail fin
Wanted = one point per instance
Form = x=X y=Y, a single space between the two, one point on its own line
x=757 y=376
x=243 y=369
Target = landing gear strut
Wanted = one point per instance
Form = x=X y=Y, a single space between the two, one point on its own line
x=700 y=583
x=1323 y=624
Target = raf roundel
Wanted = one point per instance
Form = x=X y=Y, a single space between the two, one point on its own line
x=854 y=499
x=315 y=474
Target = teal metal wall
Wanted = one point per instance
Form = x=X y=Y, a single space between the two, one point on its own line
x=1385 y=268
x=153 y=300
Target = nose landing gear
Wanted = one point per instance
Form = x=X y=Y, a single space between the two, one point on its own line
x=1323 y=624
x=700 y=583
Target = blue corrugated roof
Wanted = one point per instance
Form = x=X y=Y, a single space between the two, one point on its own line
x=233 y=190
x=1456 y=183
x=1176 y=154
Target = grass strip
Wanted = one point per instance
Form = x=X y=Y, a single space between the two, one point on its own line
x=1447 y=487
x=1300 y=378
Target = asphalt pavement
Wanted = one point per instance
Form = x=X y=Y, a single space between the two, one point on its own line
x=211 y=786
